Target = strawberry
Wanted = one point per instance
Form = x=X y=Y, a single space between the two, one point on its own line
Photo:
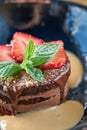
x=5 y=53
x=24 y=37
x=57 y=60
x=19 y=43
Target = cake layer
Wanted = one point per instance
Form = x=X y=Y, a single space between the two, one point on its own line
x=52 y=98
x=52 y=101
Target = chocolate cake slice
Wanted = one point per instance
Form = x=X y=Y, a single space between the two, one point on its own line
x=20 y=92
x=32 y=74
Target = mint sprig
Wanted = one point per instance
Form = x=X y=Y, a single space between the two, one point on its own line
x=33 y=57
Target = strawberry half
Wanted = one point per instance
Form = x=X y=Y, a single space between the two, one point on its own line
x=5 y=53
x=57 y=60
x=19 y=43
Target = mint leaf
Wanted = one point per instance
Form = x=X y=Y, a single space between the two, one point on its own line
x=8 y=68
x=35 y=73
x=47 y=49
x=39 y=60
x=43 y=53
x=29 y=50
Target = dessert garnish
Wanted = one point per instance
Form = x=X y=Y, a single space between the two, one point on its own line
x=34 y=56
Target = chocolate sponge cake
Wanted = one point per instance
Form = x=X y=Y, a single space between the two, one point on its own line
x=20 y=92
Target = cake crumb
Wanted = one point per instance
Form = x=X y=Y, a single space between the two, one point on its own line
x=29 y=83
x=4 y=87
x=9 y=79
x=14 y=81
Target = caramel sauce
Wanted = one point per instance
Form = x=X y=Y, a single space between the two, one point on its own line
x=76 y=70
x=61 y=117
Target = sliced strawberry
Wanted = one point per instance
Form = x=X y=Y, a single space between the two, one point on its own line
x=57 y=60
x=19 y=43
x=17 y=51
x=24 y=37
x=5 y=53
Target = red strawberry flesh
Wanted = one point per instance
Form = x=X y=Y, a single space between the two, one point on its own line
x=19 y=44
x=24 y=37
x=5 y=53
